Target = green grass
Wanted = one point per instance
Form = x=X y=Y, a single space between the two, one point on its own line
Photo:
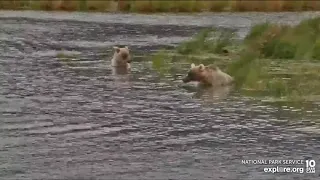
x=285 y=42
x=208 y=41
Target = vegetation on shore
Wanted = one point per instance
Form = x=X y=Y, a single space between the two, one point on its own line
x=150 y=6
x=277 y=62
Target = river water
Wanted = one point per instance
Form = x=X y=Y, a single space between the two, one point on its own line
x=77 y=120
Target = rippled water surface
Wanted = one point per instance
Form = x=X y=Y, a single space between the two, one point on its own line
x=78 y=120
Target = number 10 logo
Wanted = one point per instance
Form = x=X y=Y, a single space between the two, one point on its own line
x=310 y=166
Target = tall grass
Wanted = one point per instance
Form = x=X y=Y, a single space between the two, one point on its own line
x=285 y=42
x=208 y=41
x=286 y=47
x=149 y=6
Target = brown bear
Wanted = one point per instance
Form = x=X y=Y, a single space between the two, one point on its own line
x=207 y=76
x=121 y=57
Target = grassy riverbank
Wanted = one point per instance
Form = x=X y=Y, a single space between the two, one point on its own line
x=150 y=6
x=274 y=61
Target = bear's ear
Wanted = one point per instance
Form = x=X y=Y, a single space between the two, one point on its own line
x=116 y=48
x=193 y=65
x=126 y=47
x=201 y=67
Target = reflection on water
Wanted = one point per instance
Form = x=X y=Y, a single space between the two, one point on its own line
x=213 y=94
x=75 y=118
x=120 y=70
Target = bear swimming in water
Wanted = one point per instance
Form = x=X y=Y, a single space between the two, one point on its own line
x=207 y=76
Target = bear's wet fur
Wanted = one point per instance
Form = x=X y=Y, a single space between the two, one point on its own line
x=121 y=57
x=208 y=76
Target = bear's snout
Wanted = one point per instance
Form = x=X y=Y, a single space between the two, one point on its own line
x=124 y=55
x=186 y=79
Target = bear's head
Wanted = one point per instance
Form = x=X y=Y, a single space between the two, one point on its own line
x=122 y=55
x=196 y=73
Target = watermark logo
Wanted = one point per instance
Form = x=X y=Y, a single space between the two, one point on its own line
x=284 y=165
x=310 y=166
